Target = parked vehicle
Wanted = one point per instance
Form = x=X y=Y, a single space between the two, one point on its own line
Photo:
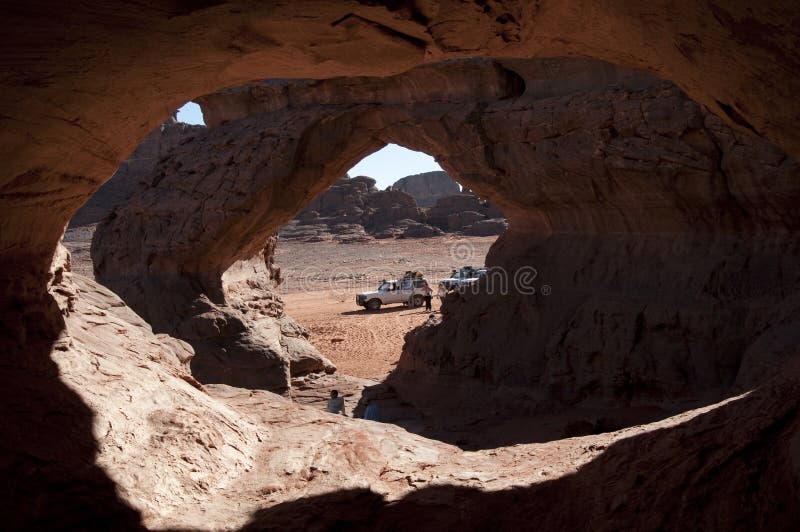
x=408 y=290
x=462 y=277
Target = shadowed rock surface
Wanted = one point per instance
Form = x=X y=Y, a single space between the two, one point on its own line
x=75 y=103
x=465 y=212
x=599 y=184
x=649 y=264
x=127 y=177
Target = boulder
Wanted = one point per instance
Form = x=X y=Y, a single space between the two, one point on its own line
x=389 y=206
x=427 y=187
x=459 y=220
x=346 y=197
x=439 y=214
x=490 y=227
x=418 y=230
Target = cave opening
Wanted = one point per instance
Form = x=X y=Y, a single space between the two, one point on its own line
x=670 y=243
x=346 y=263
x=577 y=189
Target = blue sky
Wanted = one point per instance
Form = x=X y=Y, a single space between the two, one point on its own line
x=386 y=165
x=191 y=114
x=392 y=162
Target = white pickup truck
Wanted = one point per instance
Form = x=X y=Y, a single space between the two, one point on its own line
x=405 y=291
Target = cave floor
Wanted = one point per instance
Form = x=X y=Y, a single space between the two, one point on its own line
x=320 y=467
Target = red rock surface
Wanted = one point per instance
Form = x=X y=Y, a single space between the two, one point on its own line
x=598 y=184
x=752 y=83
x=177 y=456
x=125 y=180
x=86 y=83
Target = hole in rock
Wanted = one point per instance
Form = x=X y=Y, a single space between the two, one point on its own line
x=191 y=113
x=355 y=263
x=666 y=239
x=610 y=348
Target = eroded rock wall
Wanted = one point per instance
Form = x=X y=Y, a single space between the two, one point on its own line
x=635 y=206
x=207 y=212
x=139 y=165
x=655 y=249
x=79 y=105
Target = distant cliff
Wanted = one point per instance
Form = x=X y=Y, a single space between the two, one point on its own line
x=428 y=187
x=354 y=210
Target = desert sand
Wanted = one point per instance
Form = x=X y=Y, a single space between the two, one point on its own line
x=322 y=297
x=321 y=280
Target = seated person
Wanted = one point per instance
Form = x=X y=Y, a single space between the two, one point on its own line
x=336 y=403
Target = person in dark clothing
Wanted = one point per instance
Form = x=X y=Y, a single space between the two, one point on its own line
x=428 y=293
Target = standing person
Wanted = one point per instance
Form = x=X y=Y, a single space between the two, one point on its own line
x=428 y=293
x=336 y=403
x=441 y=292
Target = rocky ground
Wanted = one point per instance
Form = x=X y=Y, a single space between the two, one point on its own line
x=319 y=284
x=225 y=458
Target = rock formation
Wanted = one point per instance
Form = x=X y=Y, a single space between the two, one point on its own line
x=427 y=187
x=598 y=181
x=353 y=210
x=136 y=167
x=209 y=209
x=466 y=213
x=75 y=103
x=751 y=85
x=163 y=453
x=618 y=184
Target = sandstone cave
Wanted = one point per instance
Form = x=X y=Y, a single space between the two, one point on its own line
x=641 y=154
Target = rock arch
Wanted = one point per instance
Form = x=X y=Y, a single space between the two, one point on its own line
x=199 y=237
x=602 y=172
x=84 y=85
x=755 y=79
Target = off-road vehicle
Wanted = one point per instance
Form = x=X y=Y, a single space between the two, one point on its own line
x=463 y=277
x=409 y=290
